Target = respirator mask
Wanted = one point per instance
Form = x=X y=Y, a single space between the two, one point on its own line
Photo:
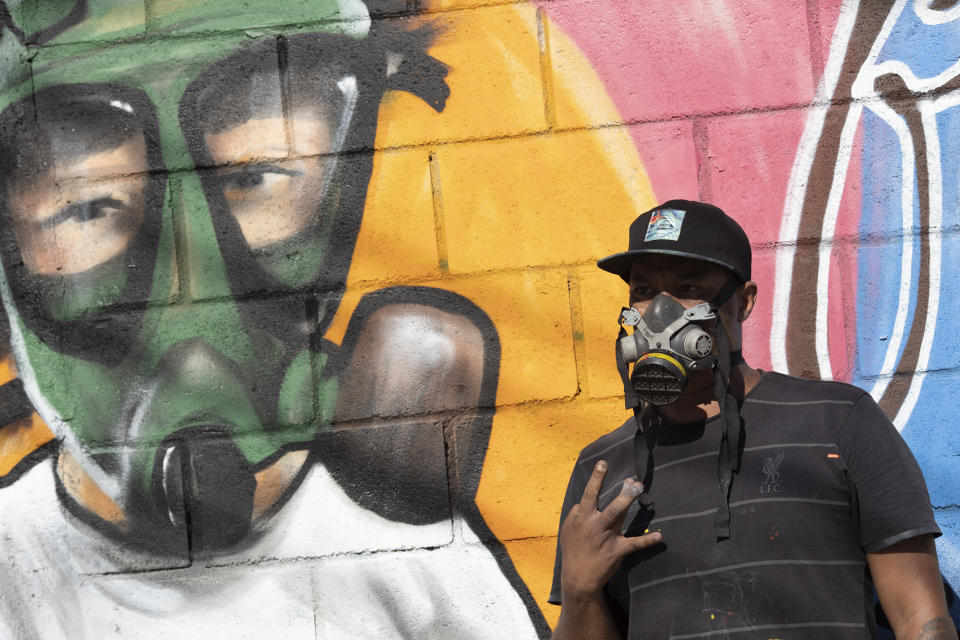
x=665 y=348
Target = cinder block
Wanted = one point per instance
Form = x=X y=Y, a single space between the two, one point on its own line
x=798 y=310
x=452 y=591
x=494 y=77
x=398 y=239
x=530 y=310
x=666 y=60
x=396 y=470
x=935 y=445
x=276 y=250
x=750 y=158
x=247 y=601
x=104 y=533
x=756 y=330
x=545 y=200
x=415 y=351
x=668 y=153
x=948 y=547
x=446 y=5
x=532 y=451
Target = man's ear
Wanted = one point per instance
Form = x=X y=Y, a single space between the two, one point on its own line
x=748 y=297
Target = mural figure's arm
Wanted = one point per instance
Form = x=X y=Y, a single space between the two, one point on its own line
x=907 y=579
x=592 y=548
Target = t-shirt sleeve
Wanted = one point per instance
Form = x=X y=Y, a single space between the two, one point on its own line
x=575 y=489
x=891 y=496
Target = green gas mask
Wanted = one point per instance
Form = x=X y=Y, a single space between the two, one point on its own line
x=179 y=204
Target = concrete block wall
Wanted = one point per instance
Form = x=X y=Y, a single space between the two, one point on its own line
x=305 y=326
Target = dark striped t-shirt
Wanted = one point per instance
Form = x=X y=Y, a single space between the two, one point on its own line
x=824 y=478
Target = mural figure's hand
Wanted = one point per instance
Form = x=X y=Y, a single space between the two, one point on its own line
x=591 y=542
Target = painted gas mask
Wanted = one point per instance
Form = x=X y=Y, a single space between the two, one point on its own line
x=177 y=225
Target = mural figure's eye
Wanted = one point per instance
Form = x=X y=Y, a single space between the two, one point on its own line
x=83 y=211
x=258 y=180
x=272 y=173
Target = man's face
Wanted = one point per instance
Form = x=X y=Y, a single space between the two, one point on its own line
x=169 y=267
x=690 y=282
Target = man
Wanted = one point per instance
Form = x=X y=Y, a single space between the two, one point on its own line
x=773 y=505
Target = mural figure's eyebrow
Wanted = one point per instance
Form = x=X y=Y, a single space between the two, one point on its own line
x=86 y=210
x=251 y=175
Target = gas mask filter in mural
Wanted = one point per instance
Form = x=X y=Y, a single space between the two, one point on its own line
x=176 y=228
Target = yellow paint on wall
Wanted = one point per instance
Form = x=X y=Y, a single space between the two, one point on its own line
x=19 y=439
x=493 y=58
x=398 y=242
x=534 y=557
x=534 y=201
x=532 y=450
x=602 y=296
x=8 y=369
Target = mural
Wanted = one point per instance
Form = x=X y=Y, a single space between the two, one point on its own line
x=301 y=304
x=178 y=224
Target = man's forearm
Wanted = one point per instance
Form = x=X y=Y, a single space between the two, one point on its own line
x=586 y=617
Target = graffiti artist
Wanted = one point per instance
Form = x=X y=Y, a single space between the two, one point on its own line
x=736 y=500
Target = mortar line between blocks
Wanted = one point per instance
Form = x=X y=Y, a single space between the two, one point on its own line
x=576 y=327
x=546 y=69
x=701 y=144
x=439 y=222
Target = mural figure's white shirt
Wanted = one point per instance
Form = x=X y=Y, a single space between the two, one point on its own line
x=326 y=569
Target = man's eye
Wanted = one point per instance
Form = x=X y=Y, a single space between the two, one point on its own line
x=83 y=211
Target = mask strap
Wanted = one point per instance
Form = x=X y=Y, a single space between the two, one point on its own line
x=630 y=398
x=729 y=456
x=641 y=448
x=724 y=294
x=642 y=457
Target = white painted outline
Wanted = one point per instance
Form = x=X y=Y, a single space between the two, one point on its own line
x=928 y=115
x=929 y=16
x=908 y=177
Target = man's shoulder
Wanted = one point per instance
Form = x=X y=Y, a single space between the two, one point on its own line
x=622 y=436
x=780 y=388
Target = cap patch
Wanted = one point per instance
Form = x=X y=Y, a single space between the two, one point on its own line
x=665 y=225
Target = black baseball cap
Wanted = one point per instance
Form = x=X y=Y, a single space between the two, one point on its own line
x=688 y=229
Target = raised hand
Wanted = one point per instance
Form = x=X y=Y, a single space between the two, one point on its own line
x=591 y=542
